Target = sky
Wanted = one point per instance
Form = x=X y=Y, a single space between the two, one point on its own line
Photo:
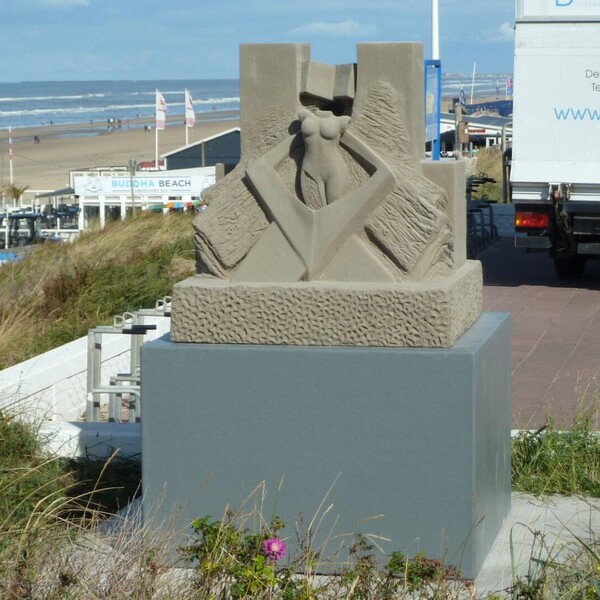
x=58 y=40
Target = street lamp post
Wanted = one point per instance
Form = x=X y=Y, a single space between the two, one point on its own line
x=435 y=68
x=435 y=31
x=132 y=166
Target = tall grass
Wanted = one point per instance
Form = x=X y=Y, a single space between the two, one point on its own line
x=61 y=290
x=554 y=460
x=28 y=481
x=489 y=161
x=55 y=542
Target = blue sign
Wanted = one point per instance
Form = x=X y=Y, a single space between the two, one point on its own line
x=433 y=98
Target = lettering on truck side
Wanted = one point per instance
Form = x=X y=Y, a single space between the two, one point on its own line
x=590 y=74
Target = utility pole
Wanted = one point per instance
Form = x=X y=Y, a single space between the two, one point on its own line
x=132 y=166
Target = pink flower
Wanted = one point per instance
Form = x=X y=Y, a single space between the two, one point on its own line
x=274 y=548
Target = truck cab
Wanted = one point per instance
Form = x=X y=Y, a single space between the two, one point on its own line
x=555 y=169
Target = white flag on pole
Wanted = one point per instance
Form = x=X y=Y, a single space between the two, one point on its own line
x=161 y=110
x=190 y=117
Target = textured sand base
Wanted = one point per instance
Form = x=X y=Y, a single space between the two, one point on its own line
x=436 y=314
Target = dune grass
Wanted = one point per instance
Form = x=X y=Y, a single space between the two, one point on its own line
x=51 y=511
x=28 y=481
x=61 y=290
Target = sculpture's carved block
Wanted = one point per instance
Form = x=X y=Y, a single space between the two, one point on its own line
x=327 y=313
x=328 y=231
x=328 y=81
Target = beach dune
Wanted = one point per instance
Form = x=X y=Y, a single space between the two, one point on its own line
x=45 y=165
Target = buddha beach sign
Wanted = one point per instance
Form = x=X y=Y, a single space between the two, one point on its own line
x=186 y=182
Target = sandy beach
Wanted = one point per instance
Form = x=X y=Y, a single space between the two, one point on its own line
x=45 y=166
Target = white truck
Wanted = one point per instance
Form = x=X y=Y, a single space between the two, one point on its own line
x=555 y=172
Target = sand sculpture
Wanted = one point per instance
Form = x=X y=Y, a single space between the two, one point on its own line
x=332 y=230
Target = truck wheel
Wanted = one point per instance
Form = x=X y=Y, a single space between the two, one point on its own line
x=569 y=268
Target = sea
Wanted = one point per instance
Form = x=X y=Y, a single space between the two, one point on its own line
x=36 y=103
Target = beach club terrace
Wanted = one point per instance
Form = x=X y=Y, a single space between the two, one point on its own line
x=112 y=192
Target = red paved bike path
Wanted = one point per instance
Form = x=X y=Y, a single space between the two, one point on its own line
x=555 y=332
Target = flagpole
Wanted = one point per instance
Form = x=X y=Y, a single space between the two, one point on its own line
x=185 y=103
x=473 y=82
x=10 y=156
x=190 y=118
x=155 y=146
x=156 y=119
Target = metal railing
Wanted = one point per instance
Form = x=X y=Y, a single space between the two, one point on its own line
x=123 y=388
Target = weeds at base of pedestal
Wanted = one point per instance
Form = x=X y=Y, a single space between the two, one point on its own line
x=230 y=562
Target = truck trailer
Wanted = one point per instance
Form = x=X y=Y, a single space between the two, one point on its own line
x=555 y=170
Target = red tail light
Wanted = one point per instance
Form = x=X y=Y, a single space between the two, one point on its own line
x=531 y=219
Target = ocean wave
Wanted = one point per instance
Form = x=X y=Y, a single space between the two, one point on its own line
x=52 y=98
x=111 y=108
x=231 y=100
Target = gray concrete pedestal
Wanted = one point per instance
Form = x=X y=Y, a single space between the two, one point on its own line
x=414 y=443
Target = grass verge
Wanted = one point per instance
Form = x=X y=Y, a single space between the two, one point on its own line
x=558 y=461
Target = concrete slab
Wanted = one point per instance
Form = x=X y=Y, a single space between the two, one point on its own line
x=555 y=520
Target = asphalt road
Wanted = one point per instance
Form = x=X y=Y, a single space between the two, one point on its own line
x=555 y=333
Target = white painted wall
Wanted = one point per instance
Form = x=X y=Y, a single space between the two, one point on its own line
x=52 y=386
